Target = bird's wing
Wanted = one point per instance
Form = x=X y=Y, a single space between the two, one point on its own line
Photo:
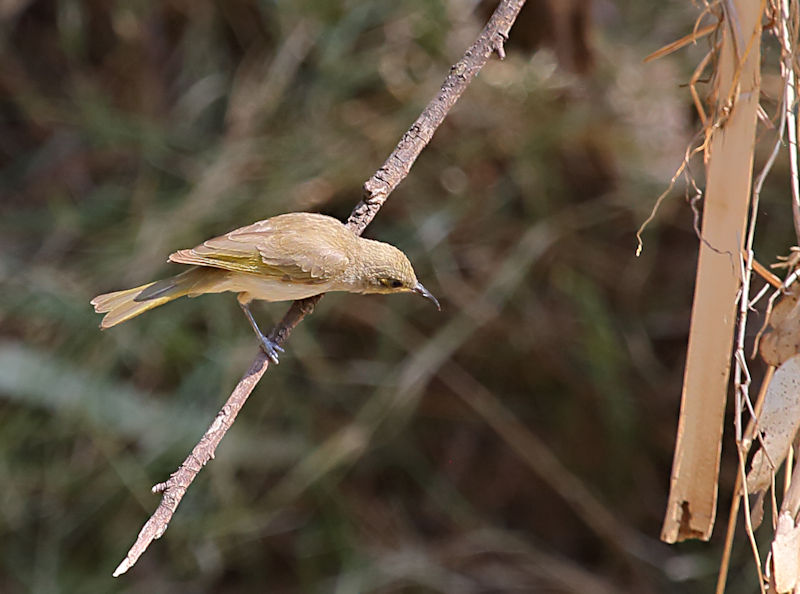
x=298 y=248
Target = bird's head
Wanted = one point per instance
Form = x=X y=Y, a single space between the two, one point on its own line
x=385 y=269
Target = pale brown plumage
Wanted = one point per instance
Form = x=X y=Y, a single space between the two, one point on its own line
x=299 y=247
x=290 y=256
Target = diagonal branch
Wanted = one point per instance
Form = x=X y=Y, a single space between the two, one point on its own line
x=376 y=190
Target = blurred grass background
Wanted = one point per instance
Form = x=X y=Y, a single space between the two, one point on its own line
x=395 y=449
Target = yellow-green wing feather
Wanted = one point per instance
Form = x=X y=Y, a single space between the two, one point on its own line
x=296 y=247
x=222 y=253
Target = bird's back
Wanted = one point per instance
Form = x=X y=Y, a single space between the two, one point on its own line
x=305 y=248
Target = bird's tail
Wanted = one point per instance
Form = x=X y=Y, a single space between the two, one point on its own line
x=121 y=306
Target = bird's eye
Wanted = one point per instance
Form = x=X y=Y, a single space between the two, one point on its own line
x=391 y=283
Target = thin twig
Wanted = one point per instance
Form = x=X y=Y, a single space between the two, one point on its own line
x=722 y=576
x=748 y=520
x=175 y=488
x=376 y=191
x=682 y=42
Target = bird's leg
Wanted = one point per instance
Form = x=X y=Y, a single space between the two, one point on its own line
x=269 y=346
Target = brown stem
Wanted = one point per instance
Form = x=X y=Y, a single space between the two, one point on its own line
x=176 y=486
x=376 y=190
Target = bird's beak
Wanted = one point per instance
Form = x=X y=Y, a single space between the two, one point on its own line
x=418 y=288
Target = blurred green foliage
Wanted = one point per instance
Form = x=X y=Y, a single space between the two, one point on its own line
x=132 y=129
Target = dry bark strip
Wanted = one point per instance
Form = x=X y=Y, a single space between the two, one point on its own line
x=692 y=504
x=376 y=191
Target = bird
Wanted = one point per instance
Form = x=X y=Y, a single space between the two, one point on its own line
x=282 y=258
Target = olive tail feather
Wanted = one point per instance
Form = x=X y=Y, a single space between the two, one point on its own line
x=121 y=306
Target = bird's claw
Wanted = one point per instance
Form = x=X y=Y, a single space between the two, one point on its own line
x=271 y=348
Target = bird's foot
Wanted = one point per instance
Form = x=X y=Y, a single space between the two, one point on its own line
x=270 y=347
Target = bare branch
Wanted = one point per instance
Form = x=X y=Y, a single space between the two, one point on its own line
x=176 y=486
x=376 y=190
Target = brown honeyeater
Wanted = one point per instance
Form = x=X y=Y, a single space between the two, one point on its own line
x=287 y=257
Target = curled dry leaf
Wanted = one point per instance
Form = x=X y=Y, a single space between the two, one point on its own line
x=786 y=554
x=777 y=423
x=782 y=338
